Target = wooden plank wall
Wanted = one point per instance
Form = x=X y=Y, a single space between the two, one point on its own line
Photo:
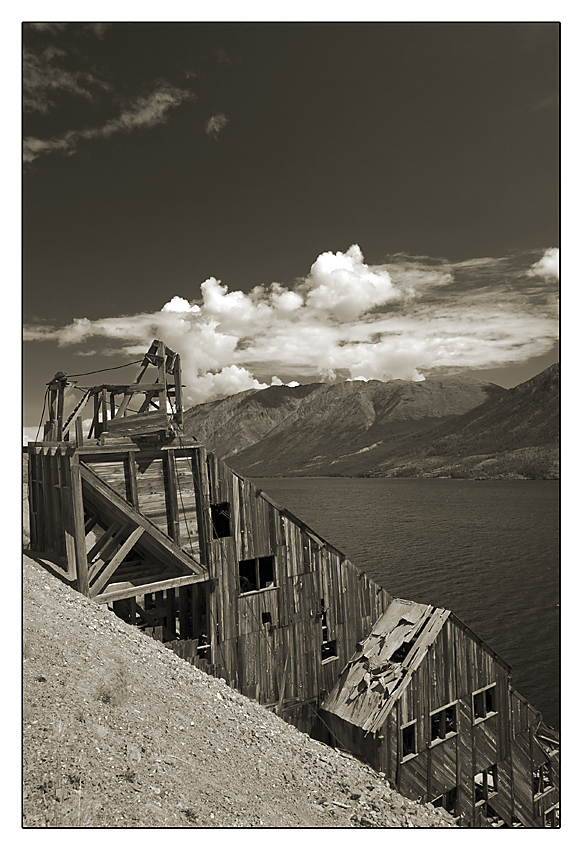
x=252 y=654
x=522 y=777
x=51 y=507
x=456 y=664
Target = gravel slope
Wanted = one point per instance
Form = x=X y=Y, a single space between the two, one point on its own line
x=120 y=732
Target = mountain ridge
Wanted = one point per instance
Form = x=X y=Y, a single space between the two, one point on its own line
x=377 y=428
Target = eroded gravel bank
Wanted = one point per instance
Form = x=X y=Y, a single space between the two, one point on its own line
x=120 y=732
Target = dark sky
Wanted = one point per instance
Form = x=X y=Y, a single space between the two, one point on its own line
x=417 y=140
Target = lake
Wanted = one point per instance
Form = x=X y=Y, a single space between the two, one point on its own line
x=487 y=550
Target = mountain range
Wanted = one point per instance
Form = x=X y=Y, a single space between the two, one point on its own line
x=452 y=427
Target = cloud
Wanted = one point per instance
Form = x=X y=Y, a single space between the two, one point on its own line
x=53 y=73
x=344 y=286
x=346 y=320
x=215 y=125
x=43 y=77
x=145 y=112
x=548 y=265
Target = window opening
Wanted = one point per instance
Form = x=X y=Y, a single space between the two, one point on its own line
x=220 y=515
x=542 y=779
x=256 y=573
x=443 y=723
x=409 y=747
x=267 y=572
x=552 y=818
x=328 y=647
x=484 y=703
x=485 y=784
x=447 y=801
x=266 y=617
x=401 y=652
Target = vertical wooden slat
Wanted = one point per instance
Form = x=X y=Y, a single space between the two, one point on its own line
x=68 y=521
x=131 y=473
x=163 y=397
x=32 y=496
x=171 y=496
x=79 y=526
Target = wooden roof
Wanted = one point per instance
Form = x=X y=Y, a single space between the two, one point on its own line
x=383 y=663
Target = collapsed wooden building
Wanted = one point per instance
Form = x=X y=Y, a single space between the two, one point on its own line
x=144 y=519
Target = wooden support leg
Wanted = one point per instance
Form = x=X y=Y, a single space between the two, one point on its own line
x=79 y=527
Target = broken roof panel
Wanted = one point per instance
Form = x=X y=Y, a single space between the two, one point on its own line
x=381 y=667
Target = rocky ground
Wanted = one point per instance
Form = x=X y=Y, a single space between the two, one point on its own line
x=120 y=732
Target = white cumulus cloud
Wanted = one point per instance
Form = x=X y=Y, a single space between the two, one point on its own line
x=548 y=265
x=346 y=320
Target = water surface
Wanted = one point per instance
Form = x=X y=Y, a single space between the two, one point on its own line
x=487 y=550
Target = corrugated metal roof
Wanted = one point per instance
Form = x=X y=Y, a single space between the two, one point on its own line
x=381 y=667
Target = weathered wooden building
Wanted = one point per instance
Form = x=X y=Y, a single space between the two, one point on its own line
x=427 y=702
x=142 y=518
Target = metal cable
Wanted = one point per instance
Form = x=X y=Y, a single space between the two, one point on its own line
x=46 y=392
x=110 y=369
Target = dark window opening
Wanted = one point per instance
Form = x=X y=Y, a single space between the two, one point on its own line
x=328 y=647
x=552 y=818
x=266 y=617
x=267 y=571
x=401 y=652
x=247 y=571
x=443 y=723
x=220 y=515
x=486 y=784
x=447 y=801
x=409 y=740
x=484 y=703
x=329 y=650
x=256 y=573
x=542 y=779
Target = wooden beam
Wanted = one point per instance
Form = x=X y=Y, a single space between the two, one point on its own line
x=76 y=412
x=173 y=516
x=178 y=389
x=126 y=547
x=117 y=389
x=104 y=540
x=126 y=590
x=79 y=431
x=157 y=540
x=132 y=480
x=79 y=526
x=93 y=429
x=162 y=378
x=103 y=396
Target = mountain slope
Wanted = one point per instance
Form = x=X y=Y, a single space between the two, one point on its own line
x=120 y=732
x=287 y=431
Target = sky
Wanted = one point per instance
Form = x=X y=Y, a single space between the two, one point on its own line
x=290 y=202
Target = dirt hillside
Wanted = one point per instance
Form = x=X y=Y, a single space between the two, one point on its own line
x=120 y=732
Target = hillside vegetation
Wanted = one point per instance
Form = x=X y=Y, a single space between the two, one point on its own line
x=458 y=427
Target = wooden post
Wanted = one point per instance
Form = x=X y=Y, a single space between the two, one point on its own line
x=93 y=431
x=104 y=410
x=79 y=527
x=79 y=430
x=163 y=396
x=173 y=516
x=132 y=481
x=60 y=409
x=178 y=386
